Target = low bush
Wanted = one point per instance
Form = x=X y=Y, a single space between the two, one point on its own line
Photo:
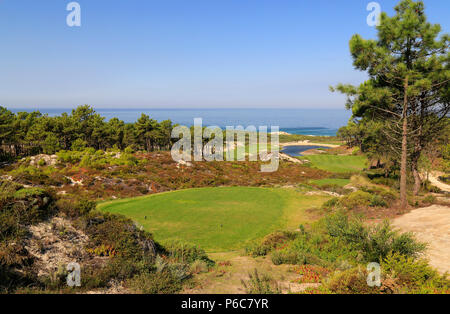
x=338 y=239
x=155 y=283
x=269 y=243
x=118 y=233
x=429 y=199
x=356 y=199
x=373 y=242
x=198 y=267
x=331 y=204
x=416 y=275
x=260 y=284
x=351 y=281
x=378 y=201
x=183 y=252
x=75 y=209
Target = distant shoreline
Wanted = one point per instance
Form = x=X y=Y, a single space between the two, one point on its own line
x=308 y=143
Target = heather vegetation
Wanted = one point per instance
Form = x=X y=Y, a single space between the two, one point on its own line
x=109 y=196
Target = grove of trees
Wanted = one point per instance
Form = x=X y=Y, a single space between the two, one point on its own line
x=29 y=133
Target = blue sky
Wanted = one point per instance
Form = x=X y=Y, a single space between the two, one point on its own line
x=183 y=53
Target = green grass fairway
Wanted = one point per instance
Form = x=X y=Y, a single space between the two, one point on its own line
x=338 y=182
x=340 y=164
x=217 y=219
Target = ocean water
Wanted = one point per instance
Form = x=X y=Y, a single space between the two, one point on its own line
x=296 y=151
x=324 y=122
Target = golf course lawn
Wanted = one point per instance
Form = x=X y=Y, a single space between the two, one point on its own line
x=331 y=181
x=337 y=163
x=217 y=219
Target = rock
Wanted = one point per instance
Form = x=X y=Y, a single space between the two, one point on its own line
x=184 y=163
x=50 y=160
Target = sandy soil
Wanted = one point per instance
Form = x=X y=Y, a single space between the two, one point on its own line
x=232 y=269
x=430 y=225
x=435 y=181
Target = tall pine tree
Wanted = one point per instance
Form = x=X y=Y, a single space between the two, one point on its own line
x=408 y=85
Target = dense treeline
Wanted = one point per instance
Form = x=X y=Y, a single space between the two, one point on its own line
x=29 y=133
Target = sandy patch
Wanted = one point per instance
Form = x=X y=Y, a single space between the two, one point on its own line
x=430 y=225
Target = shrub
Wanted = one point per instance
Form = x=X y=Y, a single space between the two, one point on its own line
x=374 y=242
x=429 y=199
x=79 y=145
x=331 y=203
x=356 y=199
x=285 y=257
x=186 y=253
x=198 y=267
x=41 y=163
x=378 y=201
x=352 y=281
x=117 y=233
x=269 y=243
x=155 y=283
x=75 y=209
x=414 y=274
x=257 y=284
x=428 y=187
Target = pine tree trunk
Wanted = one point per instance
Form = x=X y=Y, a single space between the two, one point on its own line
x=417 y=181
x=404 y=159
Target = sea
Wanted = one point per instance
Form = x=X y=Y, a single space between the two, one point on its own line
x=323 y=122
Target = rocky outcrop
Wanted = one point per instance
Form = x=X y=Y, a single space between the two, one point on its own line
x=49 y=160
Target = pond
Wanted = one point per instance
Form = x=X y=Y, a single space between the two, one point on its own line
x=297 y=150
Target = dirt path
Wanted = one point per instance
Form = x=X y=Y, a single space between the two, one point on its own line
x=435 y=181
x=232 y=268
x=430 y=225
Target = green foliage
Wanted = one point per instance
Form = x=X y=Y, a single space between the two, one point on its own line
x=429 y=199
x=408 y=85
x=118 y=233
x=75 y=209
x=338 y=239
x=414 y=274
x=351 y=281
x=186 y=253
x=269 y=243
x=378 y=201
x=79 y=145
x=260 y=284
x=51 y=144
x=373 y=242
x=367 y=196
x=356 y=199
x=331 y=203
x=33 y=133
x=155 y=283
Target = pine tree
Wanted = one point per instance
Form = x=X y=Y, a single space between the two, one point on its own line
x=408 y=85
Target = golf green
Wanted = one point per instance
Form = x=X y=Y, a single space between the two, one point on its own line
x=216 y=219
